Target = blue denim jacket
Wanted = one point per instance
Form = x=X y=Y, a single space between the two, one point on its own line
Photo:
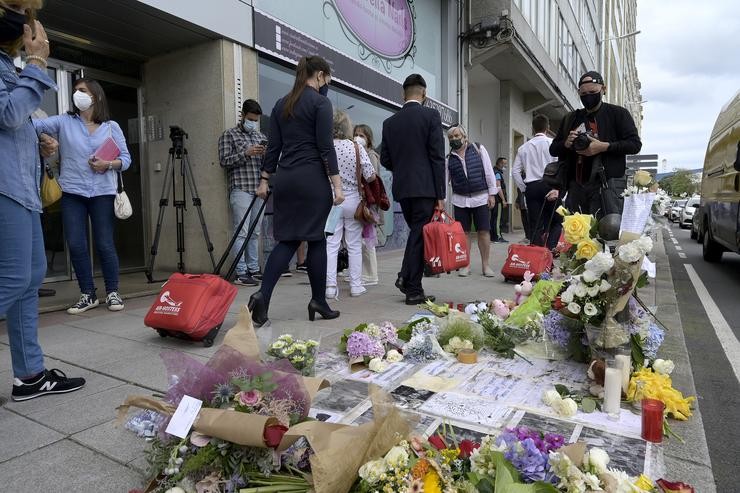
x=76 y=145
x=20 y=163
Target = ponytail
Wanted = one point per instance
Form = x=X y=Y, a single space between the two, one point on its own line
x=306 y=68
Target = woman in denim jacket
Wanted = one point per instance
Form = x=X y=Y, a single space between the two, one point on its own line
x=22 y=255
x=89 y=185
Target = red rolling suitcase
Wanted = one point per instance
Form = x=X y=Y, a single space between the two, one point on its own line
x=191 y=307
x=523 y=258
x=445 y=244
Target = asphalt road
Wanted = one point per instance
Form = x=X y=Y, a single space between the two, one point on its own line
x=716 y=383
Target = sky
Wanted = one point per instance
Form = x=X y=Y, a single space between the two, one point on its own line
x=688 y=62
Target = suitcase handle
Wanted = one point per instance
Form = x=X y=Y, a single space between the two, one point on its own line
x=440 y=216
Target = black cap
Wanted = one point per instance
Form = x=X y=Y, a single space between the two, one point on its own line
x=414 y=80
x=595 y=77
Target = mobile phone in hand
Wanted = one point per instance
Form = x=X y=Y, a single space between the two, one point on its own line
x=263 y=143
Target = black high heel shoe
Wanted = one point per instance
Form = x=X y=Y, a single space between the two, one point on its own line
x=326 y=313
x=258 y=307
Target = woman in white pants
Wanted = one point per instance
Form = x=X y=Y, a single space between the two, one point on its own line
x=347 y=227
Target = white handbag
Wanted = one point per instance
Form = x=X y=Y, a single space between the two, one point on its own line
x=121 y=204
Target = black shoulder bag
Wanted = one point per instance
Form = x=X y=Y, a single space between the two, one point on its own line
x=555 y=175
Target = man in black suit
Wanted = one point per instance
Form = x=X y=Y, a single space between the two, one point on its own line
x=413 y=150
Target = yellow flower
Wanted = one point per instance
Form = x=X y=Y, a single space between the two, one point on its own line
x=576 y=227
x=432 y=482
x=586 y=249
x=643 y=178
x=562 y=211
x=644 y=483
x=660 y=387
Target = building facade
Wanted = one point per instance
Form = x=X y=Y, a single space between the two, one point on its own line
x=165 y=64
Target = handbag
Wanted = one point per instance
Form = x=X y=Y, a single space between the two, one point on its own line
x=121 y=204
x=555 y=175
x=376 y=194
x=363 y=212
x=51 y=192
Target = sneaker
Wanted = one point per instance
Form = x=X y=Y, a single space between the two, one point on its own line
x=86 y=302
x=255 y=275
x=369 y=282
x=114 y=301
x=50 y=382
x=332 y=293
x=464 y=272
x=301 y=268
x=287 y=273
x=246 y=280
x=502 y=240
x=357 y=292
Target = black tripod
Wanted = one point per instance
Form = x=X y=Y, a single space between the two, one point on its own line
x=229 y=276
x=178 y=152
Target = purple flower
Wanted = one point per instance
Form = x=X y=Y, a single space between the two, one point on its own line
x=526 y=458
x=361 y=345
x=554 y=325
x=388 y=334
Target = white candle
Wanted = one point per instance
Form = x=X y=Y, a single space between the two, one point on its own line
x=612 y=390
x=626 y=362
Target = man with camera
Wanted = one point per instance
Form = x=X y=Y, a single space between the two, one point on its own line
x=592 y=143
x=240 y=151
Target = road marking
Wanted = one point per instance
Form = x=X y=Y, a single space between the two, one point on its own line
x=727 y=339
x=682 y=255
x=678 y=248
x=675 y=241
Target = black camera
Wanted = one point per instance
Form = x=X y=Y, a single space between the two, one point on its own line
x=177 y=136
x=582 y=141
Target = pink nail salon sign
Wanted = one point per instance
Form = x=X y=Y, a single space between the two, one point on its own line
x=385 y=26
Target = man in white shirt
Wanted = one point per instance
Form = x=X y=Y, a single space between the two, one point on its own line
x=531 y=159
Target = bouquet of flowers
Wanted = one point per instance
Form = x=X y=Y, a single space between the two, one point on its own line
x=368 y=345
x=458 y=333
x=301 y=354
x=423 y=345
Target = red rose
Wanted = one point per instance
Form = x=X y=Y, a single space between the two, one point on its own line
x=675 y=487
x=274 y=434
x=557 y=304
x=437 y=442
x=467 y=447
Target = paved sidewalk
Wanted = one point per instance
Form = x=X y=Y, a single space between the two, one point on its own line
x=69 y=443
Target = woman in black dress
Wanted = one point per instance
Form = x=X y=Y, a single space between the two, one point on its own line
x=301 y=166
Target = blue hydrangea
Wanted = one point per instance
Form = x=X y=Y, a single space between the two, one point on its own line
x=653 y=341
x=556 y=329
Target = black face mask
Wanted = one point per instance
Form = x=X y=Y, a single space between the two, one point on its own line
x=324 y=90
x=455 y=144
x=591 y=101
x=11 y=25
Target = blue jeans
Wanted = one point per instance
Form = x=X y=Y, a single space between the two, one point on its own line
x=75 y=211
x=239 y=201
x=22 y=269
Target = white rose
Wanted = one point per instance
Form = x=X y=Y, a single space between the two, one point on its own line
x=471 y=309
x=597 y=459
x=567 y=296
x=589 y=276
x=278 y=344
x=396 y=458
x=371 y=471
x=593 y=291
x=581 y=291
x=566 y=407
x=645 y=243
x=605 y=286
x=482 y=306
x=574 y=308
x=663 y=366
x=600 y=263
x=377 y=365
x=630 y=253
x=550 y=397
x=590 y=309
x=393 y=356
x=175 y=489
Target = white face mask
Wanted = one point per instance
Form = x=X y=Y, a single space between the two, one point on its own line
x=361 y=141
x=82 y=100
x=249 y=125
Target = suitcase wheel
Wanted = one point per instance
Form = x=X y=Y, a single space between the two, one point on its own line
x=211 y=336
x=162 y=333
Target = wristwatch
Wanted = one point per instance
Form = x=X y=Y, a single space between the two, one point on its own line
x=110 y=165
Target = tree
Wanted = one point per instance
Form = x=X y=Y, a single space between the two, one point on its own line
x=681 y=182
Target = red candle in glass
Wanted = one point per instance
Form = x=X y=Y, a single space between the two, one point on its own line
x=450 y=304
x=460 y=307
x=652 y=420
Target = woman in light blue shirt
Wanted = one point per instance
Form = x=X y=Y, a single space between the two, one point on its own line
x=89 y=184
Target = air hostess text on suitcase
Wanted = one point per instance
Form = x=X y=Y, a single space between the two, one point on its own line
x=445 y=244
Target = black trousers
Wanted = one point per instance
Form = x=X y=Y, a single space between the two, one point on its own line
x=592 y=198
x=541 y=215
x=497 y=214
x=417 y=212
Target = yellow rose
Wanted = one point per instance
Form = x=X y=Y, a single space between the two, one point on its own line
x=644 y=483
x=586 y=249
x=643 y=178
x=562 y=211
x=577 y=227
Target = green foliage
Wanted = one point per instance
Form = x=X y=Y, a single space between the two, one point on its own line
x=638 y=355
x=459 y=327
x=642 y=281
x=404 y=333
x=588 y=405
x=204 y=458
x=681 y=182
x=263 y=383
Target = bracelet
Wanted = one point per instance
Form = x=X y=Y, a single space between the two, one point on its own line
x=263 y=178
x=40 y=59
x=110 y=165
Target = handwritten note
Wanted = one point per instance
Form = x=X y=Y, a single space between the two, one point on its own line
x=184 y=416
x=636 y=211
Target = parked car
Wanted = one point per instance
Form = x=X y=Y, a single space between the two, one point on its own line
x=720 y=186
x=675 y=213
x=687 y=213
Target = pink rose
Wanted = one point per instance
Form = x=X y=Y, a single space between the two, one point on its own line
x=251 y=398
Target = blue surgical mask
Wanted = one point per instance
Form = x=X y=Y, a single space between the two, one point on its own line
x=249 y=126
